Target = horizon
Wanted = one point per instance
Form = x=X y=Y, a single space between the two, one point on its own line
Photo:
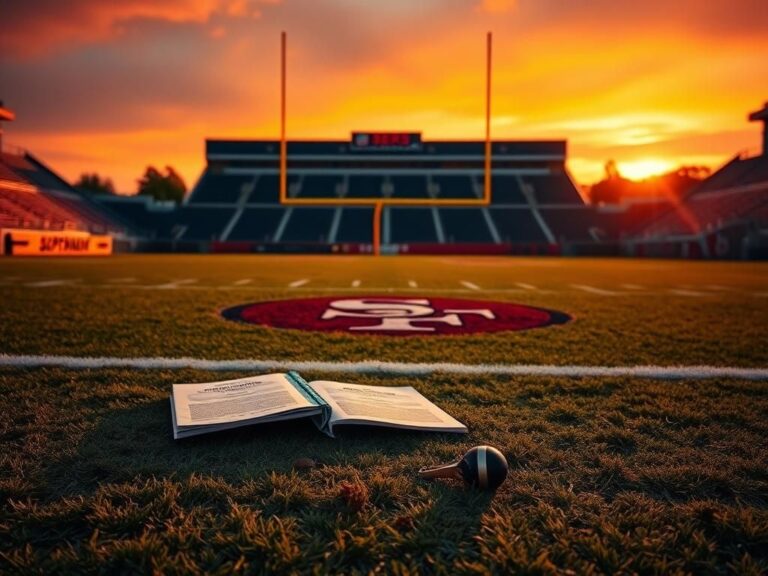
x=107 y=87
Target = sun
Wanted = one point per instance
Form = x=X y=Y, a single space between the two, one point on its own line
x=642 y=168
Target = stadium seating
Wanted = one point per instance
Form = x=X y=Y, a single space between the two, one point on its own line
x=465 y=225
x=320 y=186
x=578 y=224
x=556 y=188
x=308 y=225
x=36 y=210
x=202 y=223
x=221 y=188
x=409 y=186
x=257 y=224
x=355 y=225
x=460 y=186
x=364 y=186
x=506 y=190
x=267 y=189
x=409 y=225
x=516 y=225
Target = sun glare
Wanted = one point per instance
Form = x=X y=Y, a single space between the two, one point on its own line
x=644 y=168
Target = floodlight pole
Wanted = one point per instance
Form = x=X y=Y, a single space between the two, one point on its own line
x=487 y=178
x=283 y=143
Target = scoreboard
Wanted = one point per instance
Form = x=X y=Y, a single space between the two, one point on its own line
x=376 y=141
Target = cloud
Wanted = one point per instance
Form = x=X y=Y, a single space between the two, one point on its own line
x=37 y=27
x=497 y=6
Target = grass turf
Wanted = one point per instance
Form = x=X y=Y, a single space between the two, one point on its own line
x=607 y=475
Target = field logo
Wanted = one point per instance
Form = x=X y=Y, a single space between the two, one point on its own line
x=394 y=316
x=398 y=315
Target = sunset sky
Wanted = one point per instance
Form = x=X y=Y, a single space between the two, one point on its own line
x=113 y=85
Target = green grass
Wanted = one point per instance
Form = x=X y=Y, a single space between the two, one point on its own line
x=607 y=475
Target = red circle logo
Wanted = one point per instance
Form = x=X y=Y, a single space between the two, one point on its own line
x=394 y=315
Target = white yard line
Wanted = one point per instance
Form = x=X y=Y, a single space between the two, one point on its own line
x=174 y=284
x=297 y=283
x=397 y=368
x=47 y=283
x=469 y=285
x=593 y=290
x=242 y=282
x=682 y=292
x=632 y=286
x=525 y=286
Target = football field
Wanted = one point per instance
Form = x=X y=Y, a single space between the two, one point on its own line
x=636 y=431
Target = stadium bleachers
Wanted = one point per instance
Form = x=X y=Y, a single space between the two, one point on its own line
x=506 y=190
x=221 y=188
x=267 y=189
x=409 y=225
x=517 y=225
x=36 y=210
x=578 y=224
x=355 y=225
x=455 y=187
x=409 y=186
x=465 y=225
x=307 y=224
x=555 y=188
x=365 y=186
x=320 y=186
x=202 y=223
x=257 y=224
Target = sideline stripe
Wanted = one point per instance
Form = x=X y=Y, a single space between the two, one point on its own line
x=397 y=368
x=298 y=283
x=593 y=290
x=470 y=285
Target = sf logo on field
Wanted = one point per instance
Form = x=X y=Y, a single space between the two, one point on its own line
x=412 y=315
x=394 y=316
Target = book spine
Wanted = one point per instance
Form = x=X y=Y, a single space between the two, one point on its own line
x=305 y=389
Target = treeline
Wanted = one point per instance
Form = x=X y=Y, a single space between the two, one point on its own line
x=164 y=186
x=614 y=188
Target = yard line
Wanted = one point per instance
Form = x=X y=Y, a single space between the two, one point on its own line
x=46 y=283
x=355 y=283
x=525 y=286
x=395 y=368
x=469 y=285
x=681 y=292
x=632 y=286
x=174 y=284
x=242 y=282
x=413 y=284
x=298 y=283
x=593 y=290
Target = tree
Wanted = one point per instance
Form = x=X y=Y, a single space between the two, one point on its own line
x=95 y=184
x=164 y=187
x=611 y=188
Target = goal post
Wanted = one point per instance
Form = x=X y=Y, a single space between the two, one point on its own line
x=378 y=203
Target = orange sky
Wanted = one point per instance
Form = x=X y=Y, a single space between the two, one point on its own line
x=113 y=85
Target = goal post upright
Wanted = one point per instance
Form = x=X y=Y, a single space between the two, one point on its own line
x=487 y=175
x=283 y=142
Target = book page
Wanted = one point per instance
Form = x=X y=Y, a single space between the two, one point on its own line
x=235 y=400
x=384 y=405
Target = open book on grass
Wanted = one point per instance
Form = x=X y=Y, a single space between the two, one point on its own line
x=213 y=406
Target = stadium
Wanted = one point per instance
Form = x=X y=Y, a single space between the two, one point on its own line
x=614 y=355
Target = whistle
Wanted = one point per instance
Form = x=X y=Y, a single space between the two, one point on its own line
x=483 y=467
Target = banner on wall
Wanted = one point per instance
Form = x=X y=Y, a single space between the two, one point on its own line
x=16 y=242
